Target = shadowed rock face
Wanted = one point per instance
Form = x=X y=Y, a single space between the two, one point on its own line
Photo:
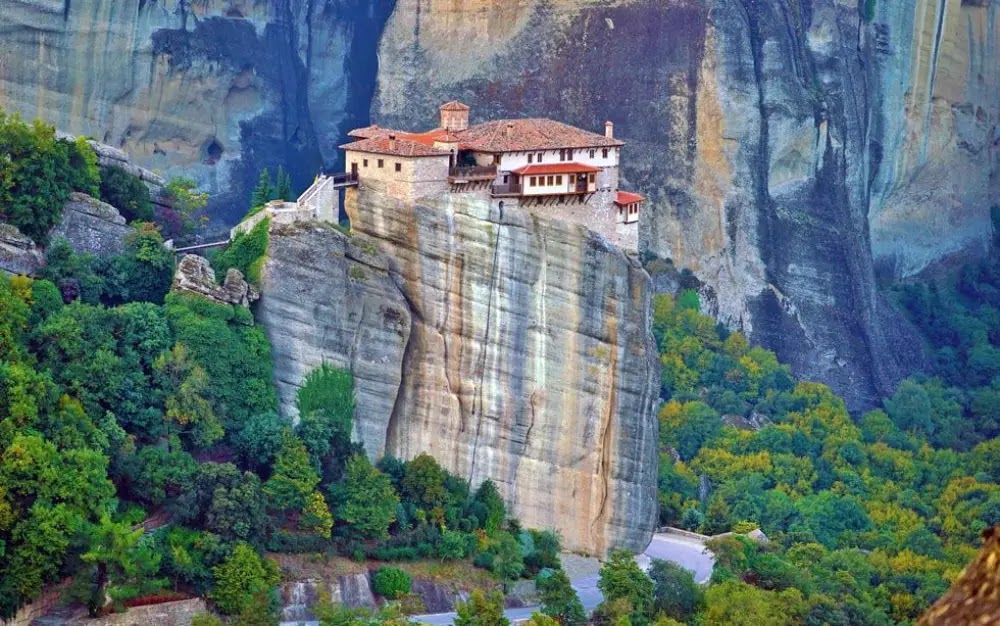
x=789 y=148
x=213 y=90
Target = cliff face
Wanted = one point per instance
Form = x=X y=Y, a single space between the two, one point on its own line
x=506 y=346
x=214 y=89
x=325 y=299
x=789 y=148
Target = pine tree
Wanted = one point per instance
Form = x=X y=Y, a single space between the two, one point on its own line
x=284 y=182
x=264 y=192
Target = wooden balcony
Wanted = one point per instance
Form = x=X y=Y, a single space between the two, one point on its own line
x=471 y=173
x=507 y=189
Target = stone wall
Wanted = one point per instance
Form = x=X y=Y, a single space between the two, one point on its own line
x=419 y=176
x=169 y=613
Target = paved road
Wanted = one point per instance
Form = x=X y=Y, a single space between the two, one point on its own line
x=687 y=552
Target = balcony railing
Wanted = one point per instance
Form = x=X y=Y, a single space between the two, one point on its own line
x=507 y=189
x=472 y=172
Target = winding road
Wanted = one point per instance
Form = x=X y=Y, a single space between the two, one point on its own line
x=688 y=552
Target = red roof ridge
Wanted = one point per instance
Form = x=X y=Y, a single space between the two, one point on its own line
x=628 y=197
x=454 y=105
x=556 y=168
x=398 y=146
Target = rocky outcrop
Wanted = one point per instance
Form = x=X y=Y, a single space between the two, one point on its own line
x=507 y=346
x=789 y=149
x=213 y=90
x=91 y=226
x=18 y=253
x=195 y=275
x=530 y=362
x=299 y=597
x=328 y=298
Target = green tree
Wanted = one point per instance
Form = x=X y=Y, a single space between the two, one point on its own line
x=675 y=592
x=224 y=501
x=262 y=611
x=910 y=408
x=391 y=582
x=541 y=619
x=316 y=516
x=621 y=577
x=452 y=546
x=127 y=193
x=326 y=406
x=481 y=610
x=186 y=384
x=294 y=477
x=734 y=603
x=495 y=511
x=205 y=619
x=241 y=577
x=283 y=191
x=143 y=273
x=369 y=502
x=559 y=599
x=264 y=192
x=259 y=440
x=424 y=481
x=185 y=200
x=508 y=562
x=125 y=565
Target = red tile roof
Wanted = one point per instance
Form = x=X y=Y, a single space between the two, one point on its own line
x=627 y=197
x=382 y=144
x=454 y=105
x=366 y=132
x=556 y=168
x=530 y=134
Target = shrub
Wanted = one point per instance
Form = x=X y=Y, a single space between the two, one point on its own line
x=37 y=174
x=392 y=582
x=245 y=253
x=240 y=578
x=127 y=193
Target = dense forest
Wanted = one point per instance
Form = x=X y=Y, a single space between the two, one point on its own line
x=870 y=517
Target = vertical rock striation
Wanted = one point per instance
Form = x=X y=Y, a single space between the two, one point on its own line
x=530 y=362
x=326 y=299
x=214 y=89
x=792 y=150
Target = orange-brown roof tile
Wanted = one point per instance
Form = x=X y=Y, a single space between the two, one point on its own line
x=366 y=132
x=382 y=144
x=627 y=197
x=530 y=134
x=556 y=168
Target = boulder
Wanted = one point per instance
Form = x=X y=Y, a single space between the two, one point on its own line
x=195 y=275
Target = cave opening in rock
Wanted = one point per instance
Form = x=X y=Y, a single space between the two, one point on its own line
x=213 y=151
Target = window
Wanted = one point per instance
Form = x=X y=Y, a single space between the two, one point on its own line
x=551 y=181
x=505 y=177
x=593 y=153
x=381 y=163
x=591 y=178
x=531 y=158
x=569 y=154
x=399 y=167
x=562 y=155
x=534 y=181
x=539 y=157
x=496 y=159
x=558 y=180
x=604 y=153
x=365 y=162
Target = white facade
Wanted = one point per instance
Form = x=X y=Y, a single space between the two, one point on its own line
x=510 y=161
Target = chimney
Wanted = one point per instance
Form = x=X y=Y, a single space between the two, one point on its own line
x=509 y=132
x=392 y=141
x=609 y=129
x=454 y=116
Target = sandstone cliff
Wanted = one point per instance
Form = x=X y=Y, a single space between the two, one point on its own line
x=326 y=299
x=507 y=346
x=789 y=148
x=213 y=89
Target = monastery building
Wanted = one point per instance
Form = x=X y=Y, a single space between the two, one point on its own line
x=539 y=165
